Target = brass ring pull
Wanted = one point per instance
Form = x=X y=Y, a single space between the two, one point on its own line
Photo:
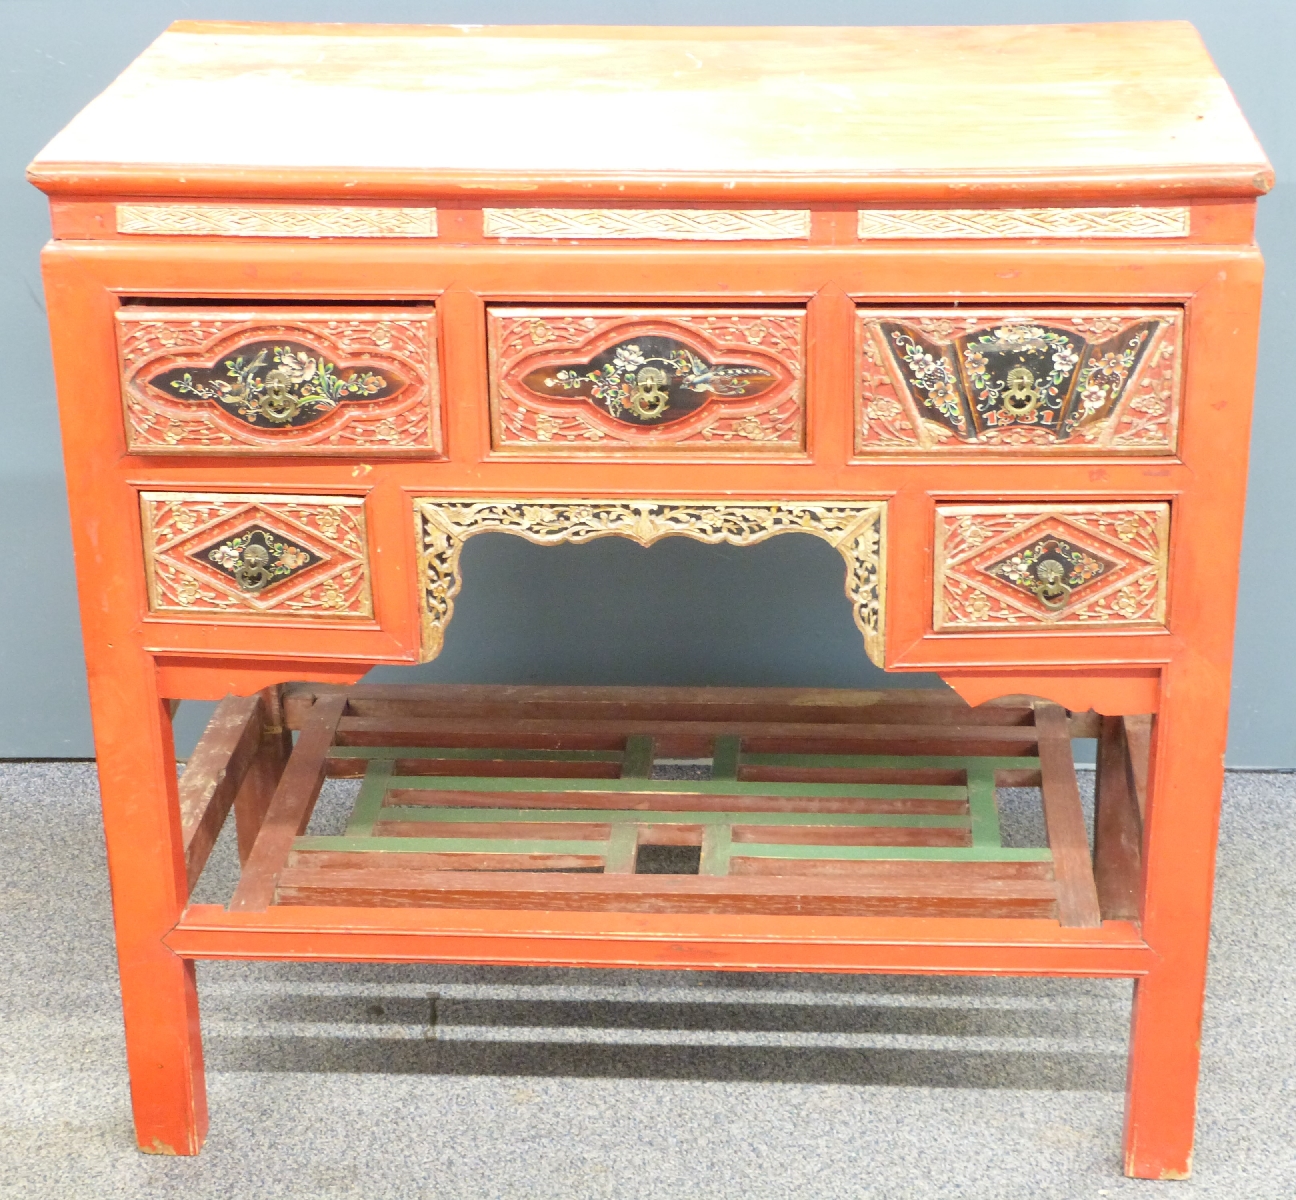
x=1050 y=591
x=252 y=573
x=1021 y=397
x=276 y=400
x=650 y=397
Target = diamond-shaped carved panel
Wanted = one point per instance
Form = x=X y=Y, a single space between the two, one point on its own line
x=291 y=556
x=594 y=382
x=1032 y=566
x=1044 y=381
x=300 y=381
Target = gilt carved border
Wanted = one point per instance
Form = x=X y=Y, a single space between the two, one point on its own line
x=262 y=220
x=219 y=555
x=857 y=529
x=656 y=224
x=1132 y=222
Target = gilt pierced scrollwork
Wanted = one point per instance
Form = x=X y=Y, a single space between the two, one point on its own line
x=856 y=529
x=1047 y=381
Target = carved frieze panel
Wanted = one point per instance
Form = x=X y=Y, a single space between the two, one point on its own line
x=264 y=220
x=1032 y=566
x=594 y=382
x=658 y=224
x=856 y=528
x=1130 y=222
x=296 y=381
x=1045 y=381
x=284 y=556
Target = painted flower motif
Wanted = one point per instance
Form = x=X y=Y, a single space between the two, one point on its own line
x=628 y=358
x=292 y=557
x=1064 y=358
x=297 y=365
x=229 y=556
x=1093 y=398
x=975 y=360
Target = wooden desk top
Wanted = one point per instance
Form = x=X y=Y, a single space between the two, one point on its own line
x=1009 y=112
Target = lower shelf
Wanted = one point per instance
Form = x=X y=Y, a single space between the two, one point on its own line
x=558 y=799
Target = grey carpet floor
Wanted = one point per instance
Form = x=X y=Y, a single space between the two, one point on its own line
x=449 y=1083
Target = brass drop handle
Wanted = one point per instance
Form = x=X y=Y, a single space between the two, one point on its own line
x=277 y=400
x=1021 y=396
x=1050 y=591
x=252 y=573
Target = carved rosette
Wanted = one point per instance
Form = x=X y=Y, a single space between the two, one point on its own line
x=308 y=381
x=1040 y=382
x=857 y=529
x=598 y=382
x=287 y=556
x=1032 y=566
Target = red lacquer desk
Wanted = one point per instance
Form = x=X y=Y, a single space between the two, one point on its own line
x=328 y=301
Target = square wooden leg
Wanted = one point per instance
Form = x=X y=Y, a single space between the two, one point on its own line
x=1179 y=855
x=146 y=863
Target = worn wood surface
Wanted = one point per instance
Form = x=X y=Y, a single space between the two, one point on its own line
x=909 y=112
x=1064 y=819
x=215 y=774
x=1118 y=829
x=289 y=809
x=988 y=119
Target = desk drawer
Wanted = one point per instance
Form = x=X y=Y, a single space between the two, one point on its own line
x=1039 y=381
x=1043 y=566
x=602 y=382
x=221 y=556
x=271 y=380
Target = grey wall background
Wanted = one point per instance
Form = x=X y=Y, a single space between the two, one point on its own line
x=611 y=612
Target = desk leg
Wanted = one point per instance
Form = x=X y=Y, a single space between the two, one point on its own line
x=137 y=782
x=1179 y=856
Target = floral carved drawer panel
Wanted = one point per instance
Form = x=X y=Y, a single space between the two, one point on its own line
x=284 y=380
x=1034 y=566
x=1047 y=381
x=286 y=556
x=589 y=381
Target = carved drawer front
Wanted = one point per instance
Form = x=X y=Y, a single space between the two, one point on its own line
x=279 y=380
x=1041 y=566
x=679 y=381
x=298 y=557
x=1045 y=381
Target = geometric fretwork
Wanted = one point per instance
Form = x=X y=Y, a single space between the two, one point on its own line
x=856 y=528
x=1048 y=565
x=291 y=556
